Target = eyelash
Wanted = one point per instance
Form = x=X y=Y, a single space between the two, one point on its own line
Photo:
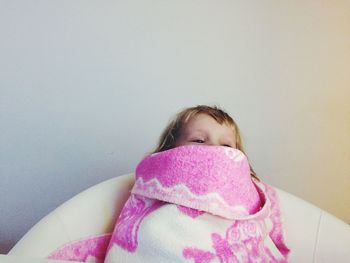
x=202 y=141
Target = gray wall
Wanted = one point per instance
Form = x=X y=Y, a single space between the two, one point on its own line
x=87 y=87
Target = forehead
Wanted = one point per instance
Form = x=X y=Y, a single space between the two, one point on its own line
x=204 y=122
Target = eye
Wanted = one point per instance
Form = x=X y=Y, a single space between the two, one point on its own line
x=227 y=145
x=198 y=141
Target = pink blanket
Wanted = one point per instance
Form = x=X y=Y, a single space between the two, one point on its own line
x=197 y=204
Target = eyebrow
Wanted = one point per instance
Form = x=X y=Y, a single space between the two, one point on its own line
x=200 y=130
x=196 y=132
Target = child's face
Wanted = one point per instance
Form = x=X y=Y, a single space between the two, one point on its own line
x=203 y=129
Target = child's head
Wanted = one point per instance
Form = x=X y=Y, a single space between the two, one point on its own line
x=201 y=125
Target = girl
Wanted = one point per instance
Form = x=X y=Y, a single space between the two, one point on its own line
x=202 y=125
x=197 y=199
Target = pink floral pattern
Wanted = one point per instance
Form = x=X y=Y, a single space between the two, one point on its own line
x=243 y=242
x=199 y=256
x=189 y=211
x=276 y=232
x=200 y=181
x=88 y=249
x=255 y=235
x=126 y=230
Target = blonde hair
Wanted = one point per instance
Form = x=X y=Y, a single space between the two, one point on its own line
x=173 y=130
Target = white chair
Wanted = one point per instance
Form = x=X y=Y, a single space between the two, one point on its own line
x=312 y=234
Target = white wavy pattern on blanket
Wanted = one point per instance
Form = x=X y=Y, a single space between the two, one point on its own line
x=184 y=196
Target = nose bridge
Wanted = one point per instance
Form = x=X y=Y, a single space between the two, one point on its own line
x=213 y=141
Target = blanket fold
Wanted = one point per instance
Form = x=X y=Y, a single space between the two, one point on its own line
x=216 y=181
x=199 y=204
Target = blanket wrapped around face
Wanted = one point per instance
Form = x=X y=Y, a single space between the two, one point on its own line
x=198 y=203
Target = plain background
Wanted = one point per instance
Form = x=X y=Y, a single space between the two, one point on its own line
x=88 y=86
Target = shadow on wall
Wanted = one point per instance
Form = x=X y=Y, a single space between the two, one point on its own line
x=6 y=245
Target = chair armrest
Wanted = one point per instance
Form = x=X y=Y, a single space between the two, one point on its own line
x=90 y=213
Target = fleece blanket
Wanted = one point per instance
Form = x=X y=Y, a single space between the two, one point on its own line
x=199 y=204
x=193 y=203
